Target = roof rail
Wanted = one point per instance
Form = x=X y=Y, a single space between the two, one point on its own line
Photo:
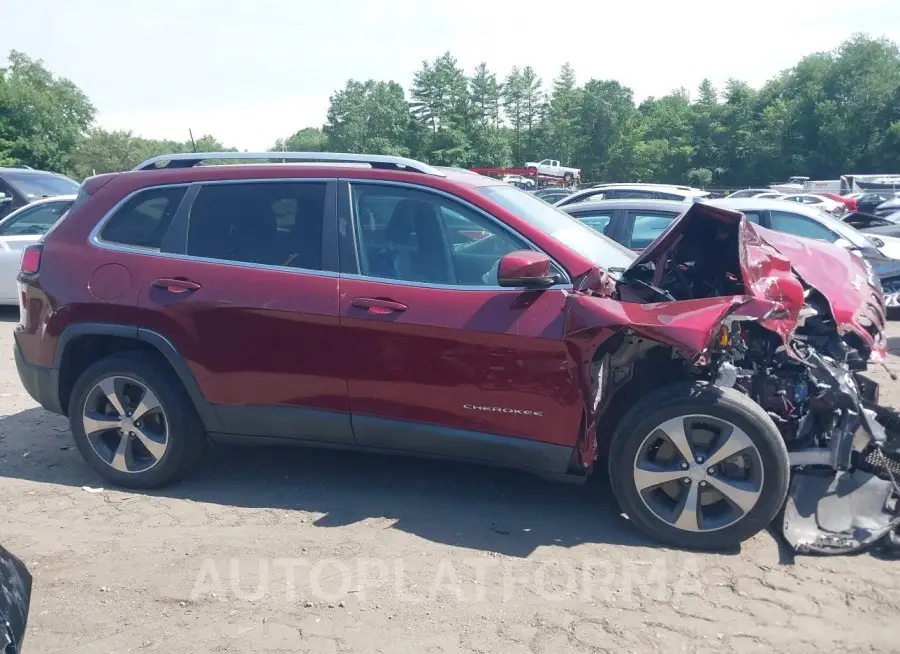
x=191 y=159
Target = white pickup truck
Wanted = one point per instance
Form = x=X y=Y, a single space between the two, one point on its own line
x=552 y=168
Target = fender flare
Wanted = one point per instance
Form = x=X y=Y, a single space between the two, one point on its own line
x=208 y=415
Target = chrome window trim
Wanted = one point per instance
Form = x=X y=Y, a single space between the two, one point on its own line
x=567 y=283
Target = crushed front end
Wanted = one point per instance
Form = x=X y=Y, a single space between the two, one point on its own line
x=800 y=324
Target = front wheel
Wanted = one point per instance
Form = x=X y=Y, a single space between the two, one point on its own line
x=698 y=466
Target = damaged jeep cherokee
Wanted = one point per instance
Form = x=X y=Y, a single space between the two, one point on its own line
x=381 y=304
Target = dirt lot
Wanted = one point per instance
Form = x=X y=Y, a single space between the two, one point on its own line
x=294 y=550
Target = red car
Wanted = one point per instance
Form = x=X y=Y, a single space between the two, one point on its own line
x=382 y=304
x=850 y=203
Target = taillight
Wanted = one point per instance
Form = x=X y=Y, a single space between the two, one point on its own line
x=31 y=259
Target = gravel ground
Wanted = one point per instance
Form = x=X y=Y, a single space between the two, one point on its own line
x=295 y=550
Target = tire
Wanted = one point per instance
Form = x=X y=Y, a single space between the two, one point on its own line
x=185 y=440
x=692 y=404
x=567 y=177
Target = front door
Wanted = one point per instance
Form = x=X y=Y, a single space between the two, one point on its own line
x=440 y=358
x=249 y=296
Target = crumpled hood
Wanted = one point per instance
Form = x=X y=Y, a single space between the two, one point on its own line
x=770 y=265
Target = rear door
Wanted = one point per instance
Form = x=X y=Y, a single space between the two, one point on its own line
x=440 y=358
x=246 y=289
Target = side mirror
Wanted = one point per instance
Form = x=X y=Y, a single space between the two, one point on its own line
x=525 y=268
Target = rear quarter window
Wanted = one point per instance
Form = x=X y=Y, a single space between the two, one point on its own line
x=144 y=219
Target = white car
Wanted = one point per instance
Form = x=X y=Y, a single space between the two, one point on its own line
x=20 y=229
x=833 y=207
x=635 y=192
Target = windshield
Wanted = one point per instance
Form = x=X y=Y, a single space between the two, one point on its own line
x=602 y=251
x=41 y=185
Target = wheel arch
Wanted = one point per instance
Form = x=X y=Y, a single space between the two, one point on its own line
x=635 y=365
x=80 y=344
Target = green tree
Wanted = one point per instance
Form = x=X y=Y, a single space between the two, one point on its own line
x=514 y=106
x=368 y=117
x=562 y=133
x=42 y=116
x=308 y=139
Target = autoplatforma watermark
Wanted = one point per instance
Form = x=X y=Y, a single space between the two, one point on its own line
x=476 y=579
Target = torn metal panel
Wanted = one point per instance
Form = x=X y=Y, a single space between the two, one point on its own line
x=838 y=514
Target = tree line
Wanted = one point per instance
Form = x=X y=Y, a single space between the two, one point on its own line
x=832 y=113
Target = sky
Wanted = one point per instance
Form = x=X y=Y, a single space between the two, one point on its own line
x=249 y=73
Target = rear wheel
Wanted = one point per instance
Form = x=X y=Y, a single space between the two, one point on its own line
x=699 y=466
x=133 y=422
x=567 y=177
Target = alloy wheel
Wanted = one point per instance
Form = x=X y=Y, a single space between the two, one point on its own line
x=125 y=424
x=698 y=473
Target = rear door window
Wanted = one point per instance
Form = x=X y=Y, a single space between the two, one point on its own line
x=598 y=220
x=267 y=223
x=646 y=226
x=144 y=219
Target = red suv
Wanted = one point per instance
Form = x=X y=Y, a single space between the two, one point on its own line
x=379 y=303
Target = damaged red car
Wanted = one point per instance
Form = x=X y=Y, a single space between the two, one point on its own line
x=382 y=304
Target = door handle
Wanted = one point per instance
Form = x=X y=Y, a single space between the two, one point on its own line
x=176 y=285
x=378 y=305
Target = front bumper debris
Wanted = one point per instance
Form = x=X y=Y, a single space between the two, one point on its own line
x=838 y=514
x=856 y=506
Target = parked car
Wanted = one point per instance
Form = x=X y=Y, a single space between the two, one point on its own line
x=519 y=180
x=20 y=229
x=633 y=191
x=869 y=202
x=552 y=195
x=888 y=207
x=633 y=223
x=637 y=223
x=540 y=346
x=848 y=202
x=748 y=193
x=552 y=168
x=772 y=195
x=21 y=186
x=15 y=602
x=833 y=207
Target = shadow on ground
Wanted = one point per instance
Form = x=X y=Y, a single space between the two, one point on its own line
x=463 y=505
